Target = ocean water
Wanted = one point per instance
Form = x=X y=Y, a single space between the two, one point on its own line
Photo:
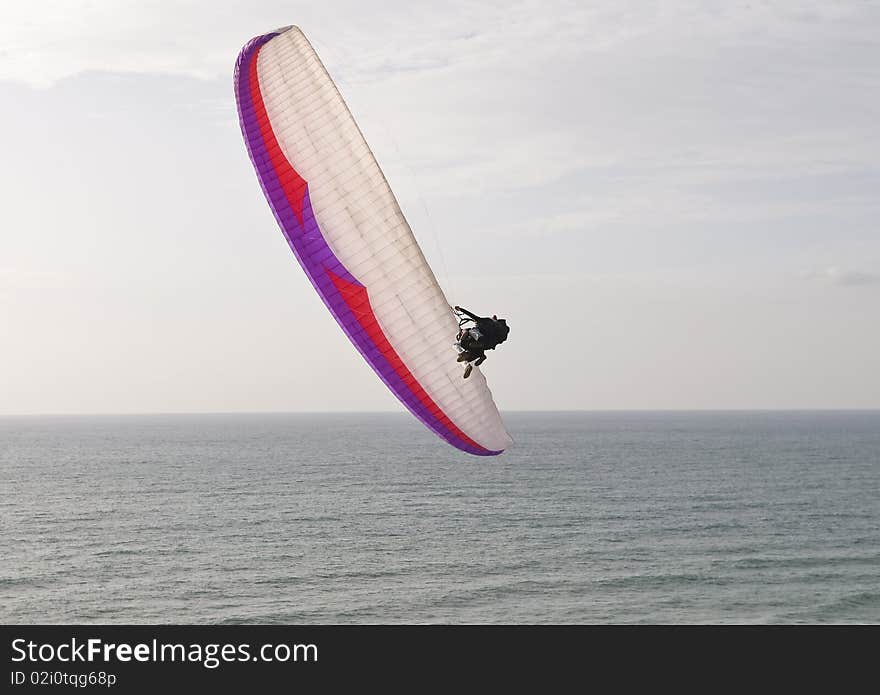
x=597 y=517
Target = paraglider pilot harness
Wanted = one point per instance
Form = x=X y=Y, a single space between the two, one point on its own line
x=483 y=334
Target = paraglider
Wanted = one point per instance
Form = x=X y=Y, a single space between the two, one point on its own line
x=348 y=233
x=473 y=341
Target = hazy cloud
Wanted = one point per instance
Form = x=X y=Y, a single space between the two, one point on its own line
x=17 y=279
x=840 y=276
x=632 y=182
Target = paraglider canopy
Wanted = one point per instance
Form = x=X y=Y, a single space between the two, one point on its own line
x=347 y=231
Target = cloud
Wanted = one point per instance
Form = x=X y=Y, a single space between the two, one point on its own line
x=13 y=279
x=45 y=41
x=839 y=276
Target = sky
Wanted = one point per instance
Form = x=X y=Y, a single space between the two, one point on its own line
x=674 y=204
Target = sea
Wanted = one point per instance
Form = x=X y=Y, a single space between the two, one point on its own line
x=590 y=518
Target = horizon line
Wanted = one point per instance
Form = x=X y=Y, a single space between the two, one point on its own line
x=403 y=412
